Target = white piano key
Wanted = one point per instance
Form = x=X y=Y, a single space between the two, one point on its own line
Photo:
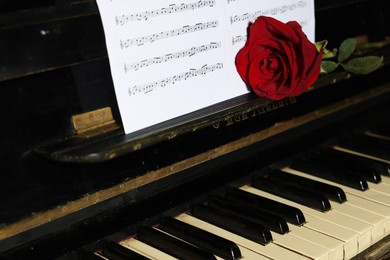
x=349 y=237
x=146 y=249
x=357 y=198
x=386 y=180
x=373 y=134
x=270 y=250
x=371 y=200
x=363 y=229
x=169 y=234
x=249 y=254
x=382 y=187
x=377 y=222
x=302 y=246
x=371 y=195
x=101 y=256
x=377 y=208
x=360 y=154
x=335 y=246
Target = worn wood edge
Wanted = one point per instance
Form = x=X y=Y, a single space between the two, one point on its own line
x=186 y=125
x=68 y=208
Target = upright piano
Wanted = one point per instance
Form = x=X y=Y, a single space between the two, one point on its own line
x=305 y=177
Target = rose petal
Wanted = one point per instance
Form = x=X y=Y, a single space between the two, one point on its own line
x=242 y=62
x=278 y=60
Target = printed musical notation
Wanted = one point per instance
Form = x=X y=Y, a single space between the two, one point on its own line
x=174 y=79
x=173 y=8
x=267 y=12
x=171 y=56
x=238 y=39
x=158 y=50
x=171 y=33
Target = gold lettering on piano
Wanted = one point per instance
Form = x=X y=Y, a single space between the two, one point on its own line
x=256 y=112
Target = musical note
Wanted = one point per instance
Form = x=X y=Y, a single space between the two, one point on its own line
x=158 y=51
x=171 y=33
x=171 y=56
x=267 y=12
x=171 y=9
x=239 y=38
x=146 y=88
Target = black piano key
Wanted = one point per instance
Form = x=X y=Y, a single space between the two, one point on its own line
x=380 y=143
x=291 y=214
x=382 y=130
x=308 y=198
x=273 y=222
x=172 y=245
x=345 y=165
x=115 y=251
x=331 y=192
x=365 y=144
x=329 y=173
x=88 y=255
x=239 y=226
x=357 y=161
x=210 y=242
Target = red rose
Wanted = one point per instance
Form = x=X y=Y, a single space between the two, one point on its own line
x=278 y=60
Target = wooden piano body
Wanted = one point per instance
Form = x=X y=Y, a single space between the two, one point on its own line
x=63 y=191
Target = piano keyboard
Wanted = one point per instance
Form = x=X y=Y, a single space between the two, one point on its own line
x=331 y=203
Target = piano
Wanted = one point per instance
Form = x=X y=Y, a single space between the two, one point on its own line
x=306 y=177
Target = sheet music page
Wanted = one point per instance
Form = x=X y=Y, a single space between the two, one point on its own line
x=169 y=58
x=242 y=12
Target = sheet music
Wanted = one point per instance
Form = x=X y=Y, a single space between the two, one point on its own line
x=169 y=58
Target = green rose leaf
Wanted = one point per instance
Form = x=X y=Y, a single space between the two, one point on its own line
x=328 y=54
x=363 y=65
x=321 y=45
x=328 y=66
x=346 y=49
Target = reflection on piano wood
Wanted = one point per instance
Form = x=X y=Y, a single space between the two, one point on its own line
x=331 y=202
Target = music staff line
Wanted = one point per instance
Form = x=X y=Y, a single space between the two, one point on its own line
x=171 y=56
x=171 y=9
x=167 y=34
x=267 y=12
x=242 y=38
x=146 y=88
x=239 y=38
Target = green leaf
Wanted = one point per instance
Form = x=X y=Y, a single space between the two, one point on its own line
x=363 y=65
x=328 y=54
x=320 y=45
x=346 y=49
x=328 y=66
